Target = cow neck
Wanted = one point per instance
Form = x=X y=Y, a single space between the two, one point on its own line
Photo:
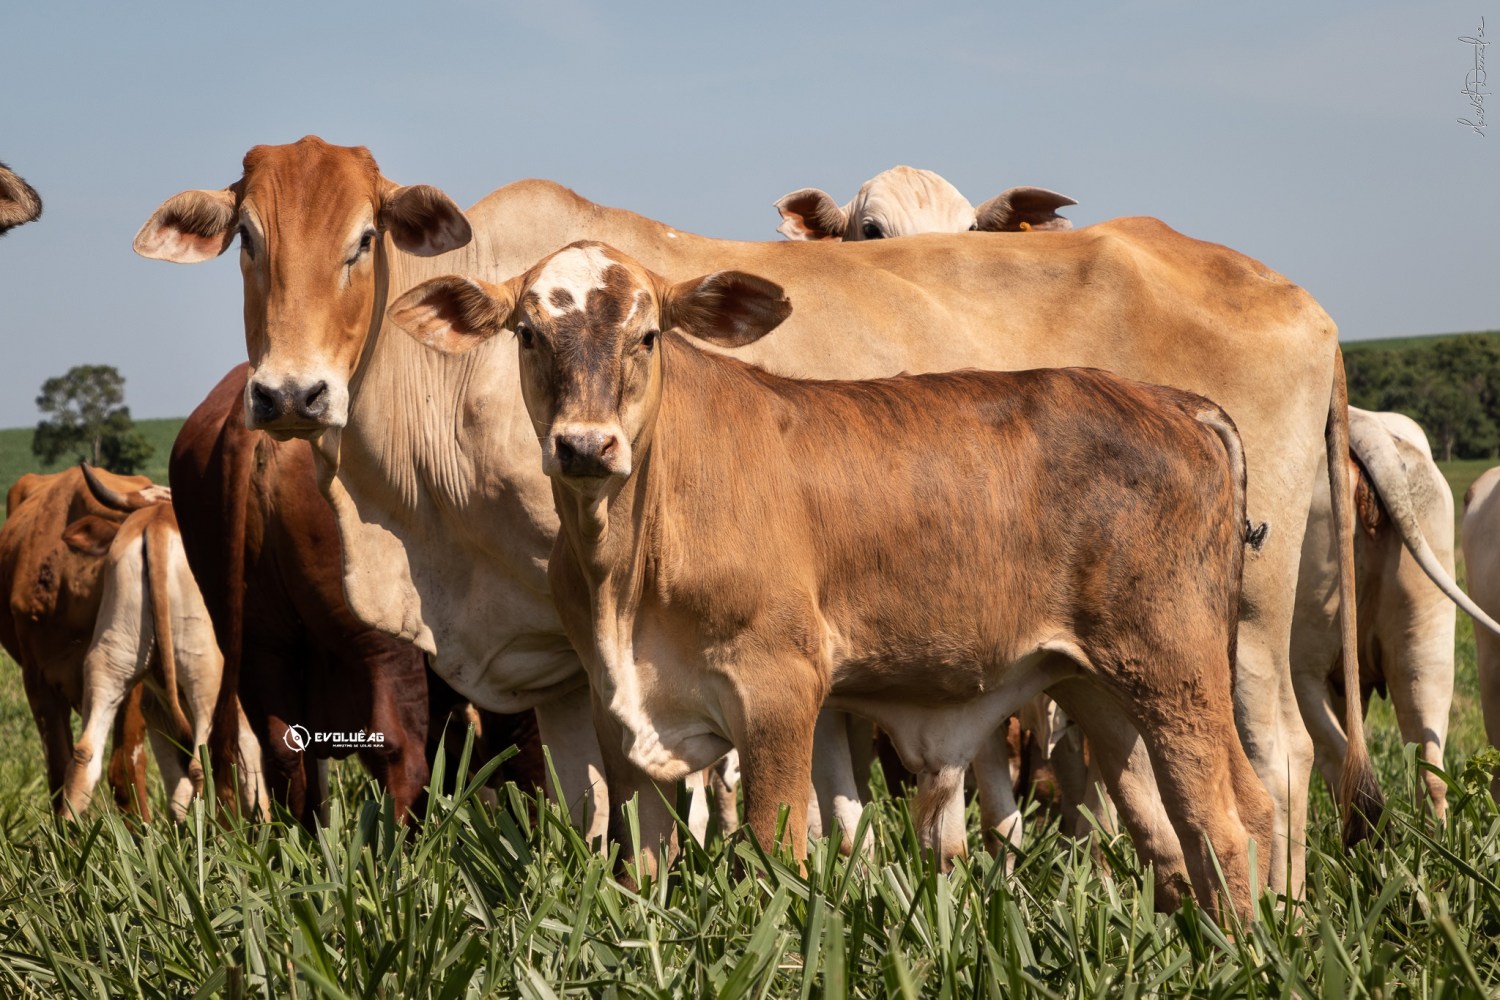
x=408 y=402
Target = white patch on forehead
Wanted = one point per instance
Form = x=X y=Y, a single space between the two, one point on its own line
x=577 y=271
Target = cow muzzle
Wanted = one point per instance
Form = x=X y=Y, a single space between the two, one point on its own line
x=586 y=451
x=294 y=408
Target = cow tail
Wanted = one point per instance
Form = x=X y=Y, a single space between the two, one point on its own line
x=156 y=554
x=1360 y=799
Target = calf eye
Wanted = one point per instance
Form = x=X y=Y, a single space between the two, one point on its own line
x=649 y=340
x=974 y=228
x=872 y=231
x=527 y=338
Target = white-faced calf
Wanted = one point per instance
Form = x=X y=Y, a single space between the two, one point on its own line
x=738 y=549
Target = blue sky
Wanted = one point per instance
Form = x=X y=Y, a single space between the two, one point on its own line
x=1320 y=139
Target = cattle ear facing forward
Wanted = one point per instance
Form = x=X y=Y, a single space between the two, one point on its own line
x=453 y=314
x=1022 y=208
x=190 y=227
x=422 y=220
x=811 y=214
x=728 y=308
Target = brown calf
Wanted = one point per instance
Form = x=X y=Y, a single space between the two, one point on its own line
x=927 y=551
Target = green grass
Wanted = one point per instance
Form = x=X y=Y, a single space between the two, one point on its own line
x=16 y=458
x=504 y=900
x=1409 y=343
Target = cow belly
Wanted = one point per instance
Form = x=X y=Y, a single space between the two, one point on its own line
x=524 y=672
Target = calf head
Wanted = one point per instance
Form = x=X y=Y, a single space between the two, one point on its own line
x=310 y=218
x=588 y=322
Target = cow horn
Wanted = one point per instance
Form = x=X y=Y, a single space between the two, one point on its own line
x=1372 y=445
x=113 y=499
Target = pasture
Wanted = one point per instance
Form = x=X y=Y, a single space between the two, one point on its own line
x=505 y=900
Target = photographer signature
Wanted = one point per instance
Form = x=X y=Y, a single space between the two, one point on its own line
x=1474 y=80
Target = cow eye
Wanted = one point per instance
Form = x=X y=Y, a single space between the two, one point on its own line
x=872 y=231
x=974 y=228
x=365 y=243
x=245 y=246
x=528 y=339
x=649 y=340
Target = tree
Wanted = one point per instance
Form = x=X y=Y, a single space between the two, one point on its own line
x=88 y=416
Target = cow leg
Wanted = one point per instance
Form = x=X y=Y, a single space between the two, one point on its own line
x=939 y=814
x=127 y=762
x=1322 y=712
x=834 y=780
x=400 y=765
x=698 y=806
x=1487 y=649
x=774 y=735
x=109 y=672
x=1125 y=765
x=1419 y=677
x=657 y=845
x=172 y=762
x=725 y=777
x=566 y=726
x=1000 y=816
x=250 y=778
x=53 y=717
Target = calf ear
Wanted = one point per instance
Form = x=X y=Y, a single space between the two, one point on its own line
x=90 y=535
x=189 y=227
x=423 y=220
x=1023 y=208
x=728 y=308
x=811 y=214
x=453 y=314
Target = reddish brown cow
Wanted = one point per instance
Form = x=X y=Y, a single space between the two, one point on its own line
x=930 y=551
x=263 y=546
x=53 y=589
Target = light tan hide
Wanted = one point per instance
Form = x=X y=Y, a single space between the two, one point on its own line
x=430 y=464
x=1481 y=545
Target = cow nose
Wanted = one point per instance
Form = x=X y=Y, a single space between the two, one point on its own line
x=586 y=452
x=269 y=403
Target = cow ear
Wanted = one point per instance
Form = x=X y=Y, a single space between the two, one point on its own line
x=19 y=202
x=728 y=308
x=189 y=227
x=1023 y=208
x=424 y=221
x=453 y=314
x=90 y=535
x=811 y=214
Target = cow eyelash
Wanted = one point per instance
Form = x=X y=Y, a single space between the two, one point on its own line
x=365 y=243
x=649 y=340
x=873 y=231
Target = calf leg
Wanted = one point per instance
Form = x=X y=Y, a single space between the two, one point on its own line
x=107 y=678
x=1419 y=676
x=657 y=845
x=940 y=814
x=1125 y=765
x=774 y=736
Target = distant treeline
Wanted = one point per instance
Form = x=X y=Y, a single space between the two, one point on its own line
x=1449 y=385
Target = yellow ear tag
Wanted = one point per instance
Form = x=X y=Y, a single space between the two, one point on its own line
x=1025 y=227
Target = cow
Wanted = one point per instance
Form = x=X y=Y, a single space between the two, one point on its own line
x=19 y=202
x=1404 y=628
x=1481 y=547
x=904 y=201
x=152 y=624
x=928 y=551
x=447 y=523
x=52 y=592
x=263 y=547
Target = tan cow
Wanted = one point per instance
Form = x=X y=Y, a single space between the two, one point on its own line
x=904 y=201
x=52 y=592
x=926 y=551
x=19 y=202
x=429 y=461
x=1481 y=545
x=152 y=626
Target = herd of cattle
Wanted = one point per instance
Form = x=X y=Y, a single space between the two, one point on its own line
x=709 y=513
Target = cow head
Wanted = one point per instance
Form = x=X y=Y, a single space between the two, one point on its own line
x=588 y=321
x=901 y=201
x=312 y=221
